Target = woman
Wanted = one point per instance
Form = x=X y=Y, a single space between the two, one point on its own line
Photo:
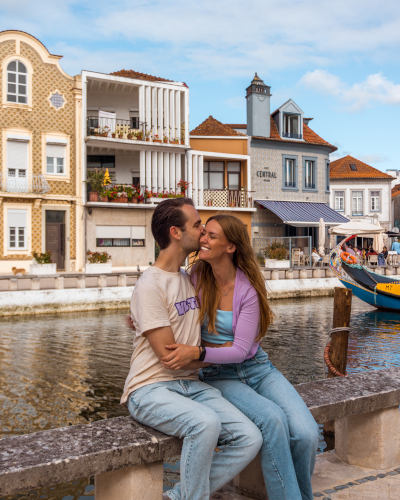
x=315 y=256
x=234 y=308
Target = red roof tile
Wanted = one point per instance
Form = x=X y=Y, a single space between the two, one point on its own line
x=396 y=190
x=396 y=193
x=129 y=73
x=236 y=125
x=211 y=126
x=340 y=169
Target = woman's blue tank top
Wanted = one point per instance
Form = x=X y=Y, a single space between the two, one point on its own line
x=223 y=325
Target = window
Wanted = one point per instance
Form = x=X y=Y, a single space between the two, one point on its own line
x=100 y=161
x=233 y=168
x=290 y=180
x=214 y=174
x=17 y=231
x=357 y=203
x=17 y=89
x=17 y=166
x=309 y=182
x=353 y=167
x=327 y=175
x=55 y=159
x=375 y=201
x=120 y=236
x=291 y=126
x=339 y=201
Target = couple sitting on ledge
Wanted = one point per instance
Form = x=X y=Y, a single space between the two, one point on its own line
x=213 y=320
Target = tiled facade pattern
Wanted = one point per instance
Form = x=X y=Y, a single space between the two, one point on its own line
x=42 y=119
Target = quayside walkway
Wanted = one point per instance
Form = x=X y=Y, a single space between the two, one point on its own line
x=126 y=458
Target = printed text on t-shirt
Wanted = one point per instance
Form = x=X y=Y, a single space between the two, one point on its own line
x=184 y=306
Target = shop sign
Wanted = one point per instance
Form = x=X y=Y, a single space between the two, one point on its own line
x=266 y=174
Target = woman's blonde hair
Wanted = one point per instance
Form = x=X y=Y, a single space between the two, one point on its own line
x=236 y=233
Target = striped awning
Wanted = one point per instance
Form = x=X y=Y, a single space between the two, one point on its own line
x=303 y=214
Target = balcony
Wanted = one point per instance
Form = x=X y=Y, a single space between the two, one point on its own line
x=357 y=213
x=25 y=183
x=291 y=135
x=231 y=198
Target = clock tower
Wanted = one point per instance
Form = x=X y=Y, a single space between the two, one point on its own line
x=258 y=108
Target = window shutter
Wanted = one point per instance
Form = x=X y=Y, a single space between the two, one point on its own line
x=138 y=232
x=55 y=151
x=113 y=232
x=17 y=154
x=16 y=218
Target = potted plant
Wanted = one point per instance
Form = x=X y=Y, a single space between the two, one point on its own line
x=183 y=185
x=113 y=135
x=112 y=194
x=98 y=262
x=42 y=264
x=175 y=140
x=130 y=136
x=148 y=135
x=95 y=179
x=275 y=255
x=165 y=138
x=139 y=136
x=104 y=131
x=122 y=197
x=156 y=138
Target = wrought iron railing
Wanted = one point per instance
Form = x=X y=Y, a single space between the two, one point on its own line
x=291 y=135
x=357 y=213
x=233 y=198
x=309 y=185
x=290 y=184
x=25 y=183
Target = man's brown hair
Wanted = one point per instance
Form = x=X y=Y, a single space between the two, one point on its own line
x=169 y=213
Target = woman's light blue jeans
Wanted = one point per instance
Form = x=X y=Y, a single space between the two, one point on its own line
x=218 y=440
x=290 y=433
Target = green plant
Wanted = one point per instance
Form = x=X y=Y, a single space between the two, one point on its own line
x=42 y=258
x=275 y=250
x=97 y=257
x=260 y=259
x=95 y=179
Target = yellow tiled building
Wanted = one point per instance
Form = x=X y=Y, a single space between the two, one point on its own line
x=40 y=156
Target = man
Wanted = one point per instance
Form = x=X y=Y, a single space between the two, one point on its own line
x=219 y=441
x=396 y=246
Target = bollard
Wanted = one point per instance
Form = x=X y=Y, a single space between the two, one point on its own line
x=60 y=283
x=329 y=273
x=81 y=282
x=303 y=274
x=389 y=271
x=13 y=285
x=121 y=280
x=102 y=281
x=35 y=283
x=275 y=275
x=316 y=273
x=289 y=274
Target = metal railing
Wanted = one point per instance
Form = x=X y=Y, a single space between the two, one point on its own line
x=358 y=213
x=291 y=135
x=28 y=183
x=290 y=184
x=309 y=185
x=234 y=198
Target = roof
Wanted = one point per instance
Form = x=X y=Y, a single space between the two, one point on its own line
x=129 y=73
x=303 y=213
x=211 y=126
x=236 y=125
x=341 y=169
x=395 y=190
x=309 y=136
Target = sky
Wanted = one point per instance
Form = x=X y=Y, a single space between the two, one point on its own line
x=339 y=61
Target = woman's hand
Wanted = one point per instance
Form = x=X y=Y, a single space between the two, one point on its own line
x=182 y=355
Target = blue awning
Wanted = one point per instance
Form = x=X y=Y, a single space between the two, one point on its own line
x=303 y=214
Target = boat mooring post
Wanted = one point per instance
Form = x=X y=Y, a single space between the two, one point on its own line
x=340 y=340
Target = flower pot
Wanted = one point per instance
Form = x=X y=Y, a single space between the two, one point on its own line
x=122 y=199
x=93 y=196
x=98 y=268
x=157 y=140
x=209 y=203
x=232 y=205
x=134 y=200
x=42 y=269
x=121 y=136
x=113 y=136
x=174 y=142
x=166 y=141
x=277 y=264
x=104 y=199
x=130 y=136
x=147 y=139
x=182 y=142
x=113 y=200
x=104 y=134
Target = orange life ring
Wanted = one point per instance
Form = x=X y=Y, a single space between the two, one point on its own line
x=348 y=258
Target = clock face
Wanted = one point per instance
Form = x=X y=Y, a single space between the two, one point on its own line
x=261 y=98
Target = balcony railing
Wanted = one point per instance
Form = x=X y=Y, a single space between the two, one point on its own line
x=25 y=183
x=227 y=198
x=309 y=185
x=358 y=213
x=290 y=184
x=128 y=129
x=291 y=135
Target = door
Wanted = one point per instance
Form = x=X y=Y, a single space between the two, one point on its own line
x=55 y=236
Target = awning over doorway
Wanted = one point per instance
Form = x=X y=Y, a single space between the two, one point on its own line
x=303 y=214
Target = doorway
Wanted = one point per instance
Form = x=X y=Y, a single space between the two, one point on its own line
x=55 y=237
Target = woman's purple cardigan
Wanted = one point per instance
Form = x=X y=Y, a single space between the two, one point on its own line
x=246 y=317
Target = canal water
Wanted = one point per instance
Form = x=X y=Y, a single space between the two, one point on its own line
x=59 y=370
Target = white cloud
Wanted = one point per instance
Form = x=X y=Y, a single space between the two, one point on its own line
x=374 y=158
x=357 y=97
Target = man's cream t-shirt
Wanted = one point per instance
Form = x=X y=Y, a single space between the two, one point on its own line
x=161 y=299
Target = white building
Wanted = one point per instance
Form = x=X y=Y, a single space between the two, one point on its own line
x=359 y=191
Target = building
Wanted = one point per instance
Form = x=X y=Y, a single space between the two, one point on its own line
x=359 y=191
x=289 y=171
x=40 y=182
x=224 y=171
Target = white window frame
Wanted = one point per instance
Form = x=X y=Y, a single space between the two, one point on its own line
x=56 y=139
x=375 y=198
x=55 y=160
x=17 y=84
x=360 y=211
x=17 y=230
x=289 y=168
x=337 y=198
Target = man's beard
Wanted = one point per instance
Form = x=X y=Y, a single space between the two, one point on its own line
x=190 y=245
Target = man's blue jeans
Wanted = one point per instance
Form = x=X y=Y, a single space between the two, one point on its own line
x=218 y=440
x=290 y=433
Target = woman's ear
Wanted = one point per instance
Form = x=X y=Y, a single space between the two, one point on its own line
x=231 y=248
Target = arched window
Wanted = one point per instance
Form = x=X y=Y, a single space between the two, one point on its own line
x=17 y=82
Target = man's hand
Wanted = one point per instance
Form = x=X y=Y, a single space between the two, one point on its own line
x=181 y=356
x=129 y=323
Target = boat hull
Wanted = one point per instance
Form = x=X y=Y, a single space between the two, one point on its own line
x=383 y=302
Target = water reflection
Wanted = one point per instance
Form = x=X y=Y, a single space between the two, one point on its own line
x=59 y=370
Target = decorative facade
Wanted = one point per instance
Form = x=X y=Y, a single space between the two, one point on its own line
x=40 y=189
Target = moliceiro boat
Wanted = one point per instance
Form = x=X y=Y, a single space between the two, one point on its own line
x=382 y=292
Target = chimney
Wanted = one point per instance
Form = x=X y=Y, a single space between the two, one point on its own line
x=258 y=108
x=307 y=120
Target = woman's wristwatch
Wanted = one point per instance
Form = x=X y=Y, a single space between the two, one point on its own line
x=202 y=353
